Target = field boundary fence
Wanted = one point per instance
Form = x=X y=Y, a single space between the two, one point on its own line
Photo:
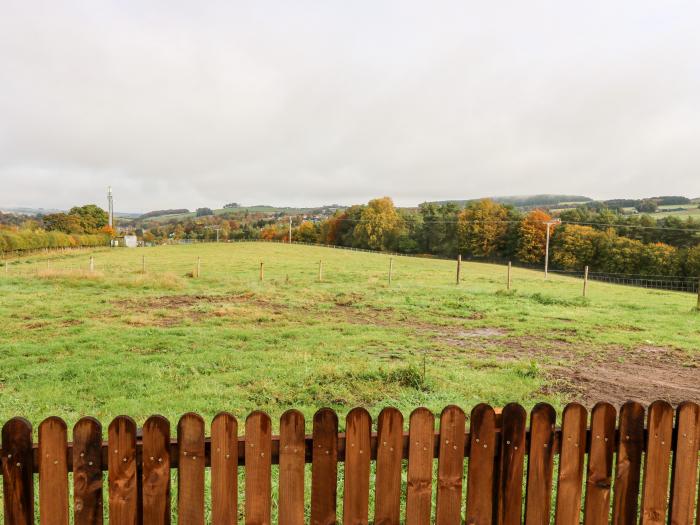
x=659 y=282
x=633 y=465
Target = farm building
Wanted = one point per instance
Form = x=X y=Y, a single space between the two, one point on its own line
x=126 y=241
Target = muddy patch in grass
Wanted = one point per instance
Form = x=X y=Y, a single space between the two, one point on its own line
x=482 y=332
x=580 y=373
x=172 y=310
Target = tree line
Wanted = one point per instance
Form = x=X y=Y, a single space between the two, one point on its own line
x=603 y=239
x=81 y=226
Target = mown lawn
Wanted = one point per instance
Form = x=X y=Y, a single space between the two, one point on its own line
x=119 y=341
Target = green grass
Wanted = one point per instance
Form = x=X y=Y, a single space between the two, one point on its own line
x=118 y=341
x=688 y=210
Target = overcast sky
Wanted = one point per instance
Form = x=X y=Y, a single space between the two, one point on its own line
x=187 y=104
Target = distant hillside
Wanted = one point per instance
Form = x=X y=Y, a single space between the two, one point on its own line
x=47 y=211
x=158 y=213
x=528 y=201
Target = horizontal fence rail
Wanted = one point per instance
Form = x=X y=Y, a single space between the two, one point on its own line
x=635 y=465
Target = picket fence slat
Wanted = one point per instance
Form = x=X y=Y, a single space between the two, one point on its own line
x=540 y=465
x=656 y=463
x=87 y=472
x=358 y=428
x=155 y=476
x=292 y=464
x=481 y=475
x=629 y=463
x=510 y=474
x=17 y=469
x=140 y=465
x=685 y=464
x=190 y=486
x=450 y=467
x=53 y=472
x=123 y=489
x=324 y=468
x=419 y=488
x=224 y=469
x=571 y=462
x=387 y=505
x=600 y=464
x=258 y=469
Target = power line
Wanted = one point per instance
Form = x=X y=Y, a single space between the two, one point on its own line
x=602 y=225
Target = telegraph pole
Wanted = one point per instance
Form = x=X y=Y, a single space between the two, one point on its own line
x=110 y=204
x=546 y=249
x=290 y=229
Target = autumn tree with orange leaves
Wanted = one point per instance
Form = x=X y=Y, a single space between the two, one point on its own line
x=533 y=236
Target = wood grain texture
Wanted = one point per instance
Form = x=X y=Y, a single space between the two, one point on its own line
x=510 y=474
x=53 y=472
x=358 y=452
x=450 y=466
x=190 y=475
x=123 y=486
x=482 y=473
x=291 y=476
x=540 y=465
x=87 y=472
x=628 y=464
x=387 y=503
x=571 y=463
x=421 y=437
x=258 y=469
x=685 y=464
x=155 y=473
x=224 y=469
x=600 y=464
x=324 y=468
x=17 y=468
x=656 y=463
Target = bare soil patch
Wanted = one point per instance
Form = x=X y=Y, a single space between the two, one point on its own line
x=644 y=374
x=173 y=309
x=613 y=374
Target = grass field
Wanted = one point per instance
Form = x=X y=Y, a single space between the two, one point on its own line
x=119 y=341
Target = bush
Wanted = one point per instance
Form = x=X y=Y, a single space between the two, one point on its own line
x=26 y=240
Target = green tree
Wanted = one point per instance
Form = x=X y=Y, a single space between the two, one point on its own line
x=380 y=225
x=63 y=222
x=92 y=218
x=574 y=247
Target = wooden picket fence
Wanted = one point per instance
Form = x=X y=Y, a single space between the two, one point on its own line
x=589 y=485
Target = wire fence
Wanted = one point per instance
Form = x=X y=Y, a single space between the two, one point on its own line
x=47 y=259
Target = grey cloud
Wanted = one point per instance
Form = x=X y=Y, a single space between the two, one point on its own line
x=188 y=104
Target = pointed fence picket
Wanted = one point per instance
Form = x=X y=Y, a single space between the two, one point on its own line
x=599 y=460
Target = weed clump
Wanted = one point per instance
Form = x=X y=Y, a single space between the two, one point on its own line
x=548 y=300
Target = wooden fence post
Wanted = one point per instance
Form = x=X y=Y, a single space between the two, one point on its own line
x=143 y=264
x=509 y=271
x=585 y=281
x=459 y=267
x=320 y=271
x=262 y=270
x=92 y=264
x=199 y=266
x=391 y=268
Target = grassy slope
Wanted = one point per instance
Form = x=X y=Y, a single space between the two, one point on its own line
x=120 y=342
